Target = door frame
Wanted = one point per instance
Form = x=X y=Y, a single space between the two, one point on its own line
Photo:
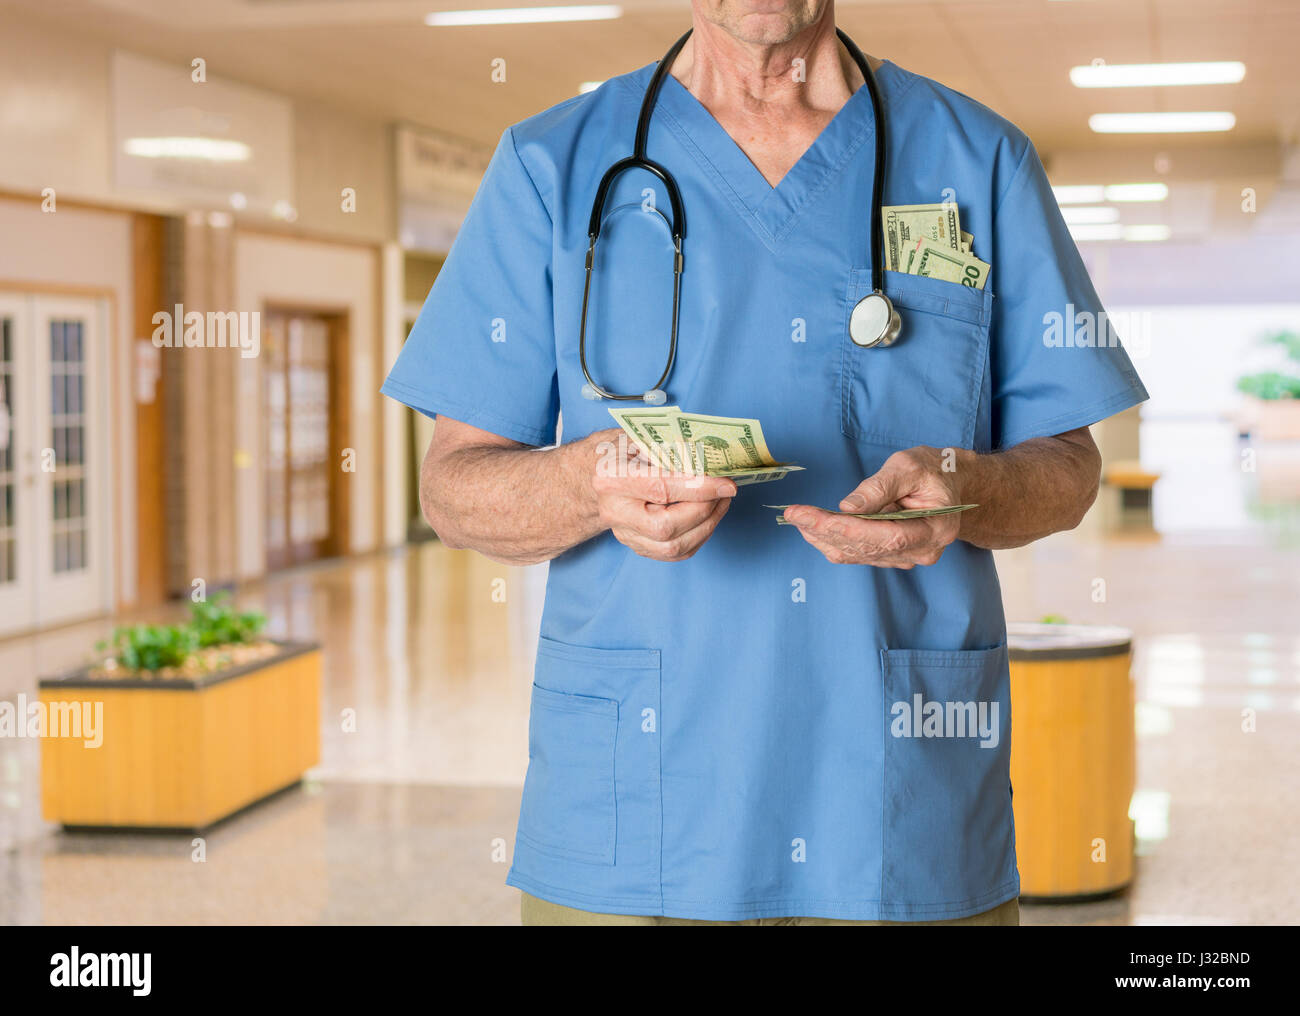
x=73 y=596
x=55 y=600
x=337 y=319
x=17 y=600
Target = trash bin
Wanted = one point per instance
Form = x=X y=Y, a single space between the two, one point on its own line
x=1072 y=759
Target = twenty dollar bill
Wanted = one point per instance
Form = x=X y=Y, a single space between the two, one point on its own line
x=928 y=240
x=695 y=444
x=898 y=516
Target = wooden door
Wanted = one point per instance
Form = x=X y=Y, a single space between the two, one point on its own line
x=302 y=416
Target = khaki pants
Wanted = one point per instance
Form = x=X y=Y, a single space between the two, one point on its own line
x=537 y=912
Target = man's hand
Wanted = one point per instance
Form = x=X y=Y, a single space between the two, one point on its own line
x=908 y=479
x=662 y=516
x=1040 y=486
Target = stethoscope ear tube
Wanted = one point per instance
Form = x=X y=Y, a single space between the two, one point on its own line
x=878 y=177
x=617 y=170
x=637 y=160
x=656 y=395
x=652 y=96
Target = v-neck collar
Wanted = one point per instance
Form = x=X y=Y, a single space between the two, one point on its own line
x=770 y=211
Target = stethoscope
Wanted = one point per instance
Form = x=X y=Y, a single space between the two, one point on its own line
x=874 y=321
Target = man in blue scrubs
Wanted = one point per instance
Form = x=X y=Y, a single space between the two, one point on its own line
x=733 y=721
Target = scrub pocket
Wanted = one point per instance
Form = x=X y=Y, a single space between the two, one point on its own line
x=925 y=388
x=949 y=836
x=587 y=760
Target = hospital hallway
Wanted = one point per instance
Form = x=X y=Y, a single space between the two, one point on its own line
x=428 y=657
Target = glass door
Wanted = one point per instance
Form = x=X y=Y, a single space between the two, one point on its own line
x=17 y=485
x=53 y=470
x=298 y=414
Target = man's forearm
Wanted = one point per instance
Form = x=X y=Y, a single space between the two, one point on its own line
x=522 y=505
x=515 y=505
x=1030 y=491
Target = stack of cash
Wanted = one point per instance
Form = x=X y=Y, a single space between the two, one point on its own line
x=702 y=445
x=928 y=240
x=906 y=513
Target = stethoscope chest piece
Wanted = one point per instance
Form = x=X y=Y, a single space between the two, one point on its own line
x=874 y=321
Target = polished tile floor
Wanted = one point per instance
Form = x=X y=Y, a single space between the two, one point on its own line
x=409 y=817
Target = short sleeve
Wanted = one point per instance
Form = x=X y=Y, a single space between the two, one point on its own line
x=483 y=348
x=1056 y=360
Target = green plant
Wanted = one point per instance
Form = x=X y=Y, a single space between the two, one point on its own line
x=216 y=623
x=1274 y=384
x=1270 y=385
x=1290 y=341
x=151 y=647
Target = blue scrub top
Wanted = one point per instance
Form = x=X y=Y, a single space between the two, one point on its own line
x=756 y=732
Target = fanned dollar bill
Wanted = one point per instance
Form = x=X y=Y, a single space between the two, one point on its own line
x=898 y=516
x=655 y=433
x=928 y=240
x=695 y=444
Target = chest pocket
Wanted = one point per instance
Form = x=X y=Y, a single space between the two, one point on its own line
x=925 y=388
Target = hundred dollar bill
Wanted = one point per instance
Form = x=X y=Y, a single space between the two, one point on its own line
x=898 y=516
x=905 y=224
x=936 y=262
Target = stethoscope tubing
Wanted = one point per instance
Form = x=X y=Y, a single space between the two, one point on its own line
x=639 y=160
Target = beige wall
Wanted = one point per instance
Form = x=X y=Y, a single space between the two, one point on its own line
x=333 y=150
x=54 y=110
x=56 y=131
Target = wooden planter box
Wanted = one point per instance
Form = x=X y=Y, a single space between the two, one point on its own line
x=183 y=753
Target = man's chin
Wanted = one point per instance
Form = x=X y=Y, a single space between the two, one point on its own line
x=769 y=29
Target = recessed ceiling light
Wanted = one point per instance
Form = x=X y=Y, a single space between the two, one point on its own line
x=525 y=15
x=1223 y=72
x=1079 y=195
x=207 y=149
x=1088 y=194
x=1089 y=214
x=1108 y=231
x=1137 y=192
x=1147 y=234
x=1160 y=123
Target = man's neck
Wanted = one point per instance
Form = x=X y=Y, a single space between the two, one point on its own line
x=811 y=71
